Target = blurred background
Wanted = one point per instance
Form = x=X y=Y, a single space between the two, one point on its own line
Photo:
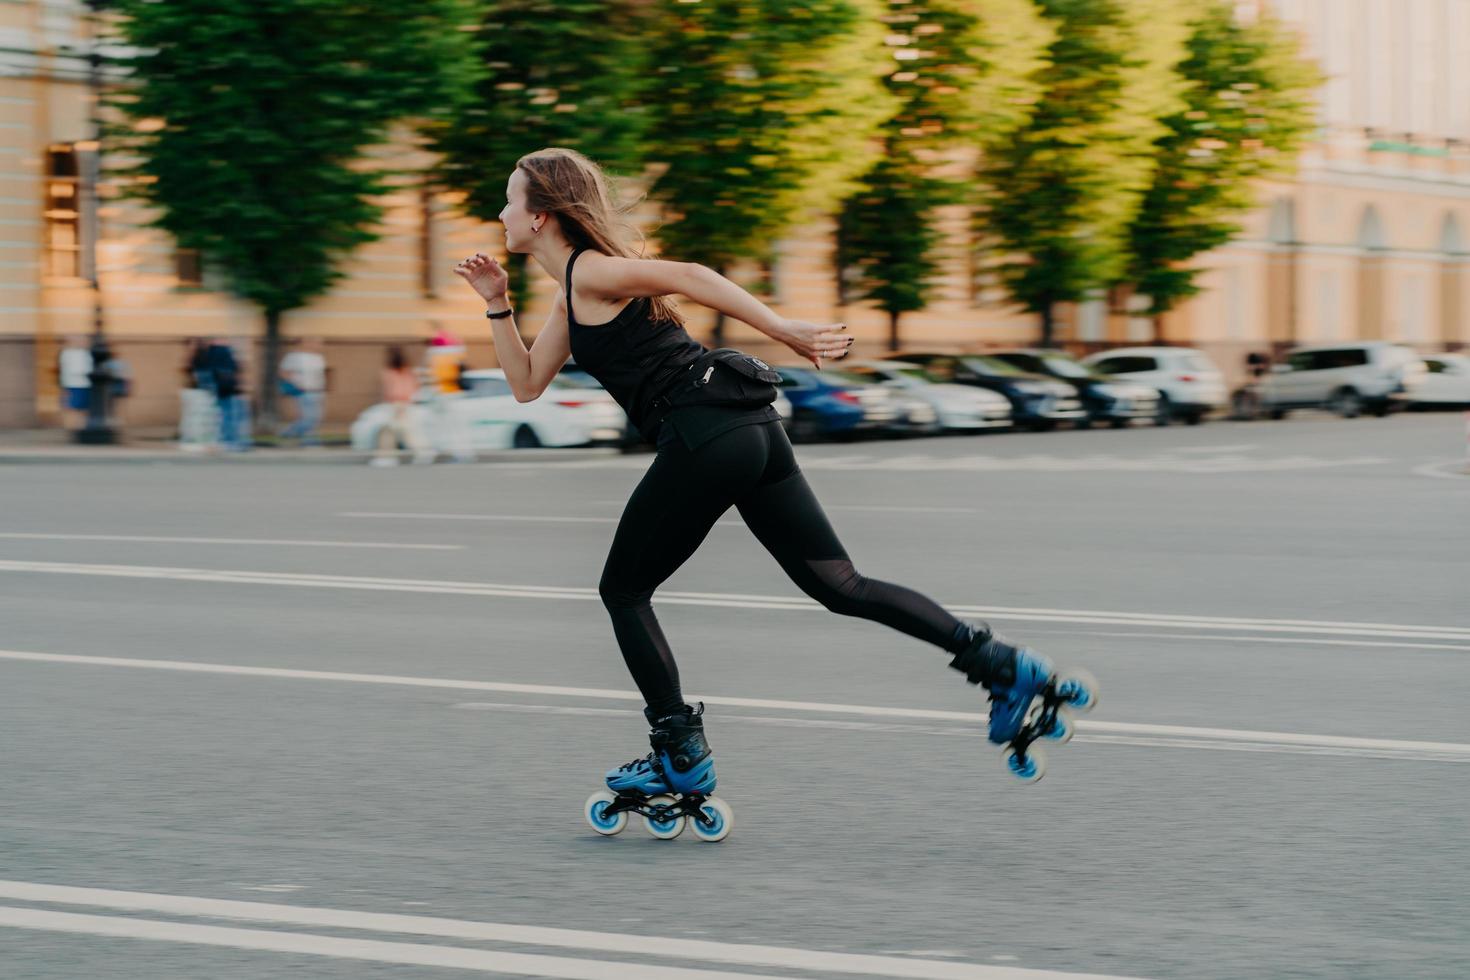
x=1153 y=301
x=297 y=178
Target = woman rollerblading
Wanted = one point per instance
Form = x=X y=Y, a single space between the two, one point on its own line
x=720 y=445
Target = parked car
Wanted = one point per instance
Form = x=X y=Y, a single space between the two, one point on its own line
x=956 y=407
x=1037 y=402
x=1349 y=379
x=912 y=416
x=1189 y=384
x=487 y=416
x=1447 y=383
x=1111 y=401
x=631 y=436
x=824 y=404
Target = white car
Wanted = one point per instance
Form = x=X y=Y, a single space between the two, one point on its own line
x=1448 y=382
x=957 y=406
x=1374 y=376
x=1190 y=386
x=487 y=416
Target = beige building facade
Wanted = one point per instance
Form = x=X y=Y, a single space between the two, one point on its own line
x=1370 y=239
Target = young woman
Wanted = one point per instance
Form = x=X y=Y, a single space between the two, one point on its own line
x=617 y=321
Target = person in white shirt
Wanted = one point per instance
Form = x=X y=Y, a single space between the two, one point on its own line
x=304 y=379
x=74 y=372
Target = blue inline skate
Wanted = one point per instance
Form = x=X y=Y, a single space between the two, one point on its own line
x=669 y=788
x=1027 y=696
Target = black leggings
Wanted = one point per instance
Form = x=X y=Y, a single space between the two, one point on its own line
x=678 y=501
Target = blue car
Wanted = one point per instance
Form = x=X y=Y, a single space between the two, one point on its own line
x=827 y=405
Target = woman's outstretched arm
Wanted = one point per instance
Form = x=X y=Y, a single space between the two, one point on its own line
x=614 y=277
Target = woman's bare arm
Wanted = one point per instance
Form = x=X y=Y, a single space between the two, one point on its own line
x=529 y=372
x=614 y=277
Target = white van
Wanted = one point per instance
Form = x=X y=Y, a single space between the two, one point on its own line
x=1349 y=379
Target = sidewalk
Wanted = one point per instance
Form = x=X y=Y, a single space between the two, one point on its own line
x=159 y=446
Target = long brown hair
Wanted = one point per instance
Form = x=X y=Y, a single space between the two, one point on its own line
x=566 y=184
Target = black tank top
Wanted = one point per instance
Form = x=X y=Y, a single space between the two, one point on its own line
x=635 y=356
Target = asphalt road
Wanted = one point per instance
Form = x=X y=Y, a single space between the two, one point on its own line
x=331 y=721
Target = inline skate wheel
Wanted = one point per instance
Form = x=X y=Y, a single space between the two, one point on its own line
x=1079 y=689
x=1030 y=770
x=669 y=827
x=713 y=821
x=1061 y=730
x=595 y=812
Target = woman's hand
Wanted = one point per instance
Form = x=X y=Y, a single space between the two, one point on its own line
x=484 y=275
x=813 y=341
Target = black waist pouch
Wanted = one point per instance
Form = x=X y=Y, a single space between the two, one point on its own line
x=721 y=377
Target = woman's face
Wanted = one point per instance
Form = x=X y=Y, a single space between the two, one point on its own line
x=519 y=223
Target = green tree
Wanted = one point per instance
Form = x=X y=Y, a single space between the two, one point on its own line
x=962 y=67
x=766 y=112
x=1063 y=189
x=554 y=73
x=1249 y=104
x=247 y=126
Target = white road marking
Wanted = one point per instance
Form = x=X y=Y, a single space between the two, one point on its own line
x=1277 y=743
x=1450 y=469
x=1130 y=733
x=509 y=518
x=462 y=929
x=371 y=950
x=742 y=601
x=1168 y=462
x=1294 y=640
x=24 y=536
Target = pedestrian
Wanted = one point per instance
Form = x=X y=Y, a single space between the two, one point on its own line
x=224 y=378
x=120 y=386
x=622 y=328
x=304 y=381
x=198 y=409
x=74 y=375
x=400 y=384
x=445 y=357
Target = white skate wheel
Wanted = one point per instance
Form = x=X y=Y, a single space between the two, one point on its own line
x=1079 y=689
x=1034 y=768
x=594 y=809
x=713 y=821
x=666 y=829
x=1062 y=730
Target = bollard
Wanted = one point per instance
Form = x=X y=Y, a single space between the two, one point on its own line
x=1467 y=442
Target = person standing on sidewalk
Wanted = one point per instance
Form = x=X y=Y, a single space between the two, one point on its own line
x=222 y=375
x=74 y=374
x=304 y=380
x=400 y=384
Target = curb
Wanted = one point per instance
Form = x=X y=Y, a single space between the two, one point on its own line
x=266 y=457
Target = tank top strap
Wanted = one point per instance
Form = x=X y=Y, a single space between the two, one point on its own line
x=567 y=287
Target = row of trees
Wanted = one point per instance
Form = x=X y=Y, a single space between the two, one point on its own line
x=1092 y=142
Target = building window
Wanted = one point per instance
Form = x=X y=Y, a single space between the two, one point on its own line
x=63 y=211
x=188 y=267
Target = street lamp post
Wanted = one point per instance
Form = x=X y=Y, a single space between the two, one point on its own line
x=98 y=429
